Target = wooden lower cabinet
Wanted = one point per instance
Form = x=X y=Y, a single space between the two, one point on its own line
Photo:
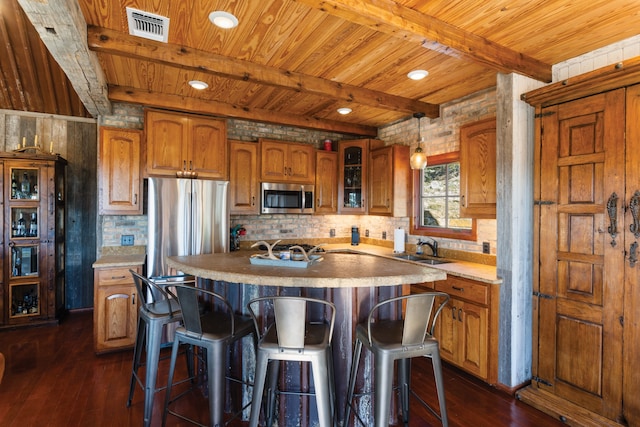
x=467 y=328
x=115 y=310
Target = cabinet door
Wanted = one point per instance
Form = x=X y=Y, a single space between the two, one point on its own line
x=473 y=338
x=326 y=182
x=273 y=159
x=115 y=308
x=446 y=331
x=166 y=138
x=478 y=169
x=207 y=154
x=301 y=163
x=120 y=186
x=381 y=181
x=117 y=316
x=243 y=179
x=352 y=182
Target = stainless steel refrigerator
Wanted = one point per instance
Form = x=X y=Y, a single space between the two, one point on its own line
x=186 y=217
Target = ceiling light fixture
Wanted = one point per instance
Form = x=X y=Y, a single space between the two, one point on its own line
x=223 y=19
x=199 y=85
x=418 y=158
x=344 y=110
x=417 y=74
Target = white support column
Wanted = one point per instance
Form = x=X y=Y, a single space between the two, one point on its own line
x=515 y=142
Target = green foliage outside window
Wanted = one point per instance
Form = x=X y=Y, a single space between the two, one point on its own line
x=441 y=197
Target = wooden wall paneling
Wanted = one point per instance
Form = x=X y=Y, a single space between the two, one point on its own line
x=81 y=153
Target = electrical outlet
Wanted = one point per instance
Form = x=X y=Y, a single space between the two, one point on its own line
x=126 y=240
x=384 y=235
x=332 y=232
x=486 y=248
x=366 y=233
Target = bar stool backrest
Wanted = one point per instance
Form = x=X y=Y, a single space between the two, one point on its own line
x=290 y=317
x=148 y=291
x=290 y=324
x=192 y=302
x=419 y=318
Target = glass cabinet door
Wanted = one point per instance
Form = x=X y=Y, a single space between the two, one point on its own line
x=24 y=222
x=352 y=189
x=25 y=300
x=24 y=184
x=24 y=260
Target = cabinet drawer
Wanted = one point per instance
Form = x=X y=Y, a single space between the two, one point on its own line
x=465 y=289
x=115 y=276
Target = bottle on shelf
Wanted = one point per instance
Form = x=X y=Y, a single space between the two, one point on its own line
x=14 y=186
x=22 y=227
x=25 y=186
x=33 y=225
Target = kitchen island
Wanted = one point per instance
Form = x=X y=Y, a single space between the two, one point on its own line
x=354 y=282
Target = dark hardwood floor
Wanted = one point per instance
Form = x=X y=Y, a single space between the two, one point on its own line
x=53 y=378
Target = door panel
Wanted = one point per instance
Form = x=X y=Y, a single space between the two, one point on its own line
x=631 y=377
x=581 y=261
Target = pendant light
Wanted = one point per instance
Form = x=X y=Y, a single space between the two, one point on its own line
x=418 y=158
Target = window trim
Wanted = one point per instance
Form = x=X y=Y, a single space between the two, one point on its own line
x=449 y=233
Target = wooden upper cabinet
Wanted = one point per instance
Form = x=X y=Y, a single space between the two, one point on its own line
x=478 y=169
x=186 y=146
x=120 y=183
x=326 y=182
x=287 y=162
x=389 y=181
x=243 y=178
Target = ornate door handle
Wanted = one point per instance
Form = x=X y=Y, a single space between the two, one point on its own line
x=633 y=254
x=612 y=210
x=634 y=207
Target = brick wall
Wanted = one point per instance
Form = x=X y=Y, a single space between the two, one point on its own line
x=598 y=58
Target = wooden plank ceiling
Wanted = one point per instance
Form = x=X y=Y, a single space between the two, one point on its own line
x=293 y=62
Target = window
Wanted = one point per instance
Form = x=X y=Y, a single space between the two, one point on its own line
x=437 y=200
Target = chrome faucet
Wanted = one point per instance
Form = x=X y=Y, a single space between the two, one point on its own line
x=433 y=245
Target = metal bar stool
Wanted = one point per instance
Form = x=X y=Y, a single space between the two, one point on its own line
x=209 y=323
x=401 y=340
x=157 y=309
x=285 y=334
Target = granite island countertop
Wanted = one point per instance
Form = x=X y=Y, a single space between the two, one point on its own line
x=336 y=270
x=469 y=270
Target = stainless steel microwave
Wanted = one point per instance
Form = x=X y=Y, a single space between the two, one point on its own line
x=279 y=198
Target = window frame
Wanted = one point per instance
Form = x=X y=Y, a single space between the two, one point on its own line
x=416 y=228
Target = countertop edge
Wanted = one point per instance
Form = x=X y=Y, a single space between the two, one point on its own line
x=119 y=261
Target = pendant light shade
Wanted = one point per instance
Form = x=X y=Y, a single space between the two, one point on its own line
x=418 y=159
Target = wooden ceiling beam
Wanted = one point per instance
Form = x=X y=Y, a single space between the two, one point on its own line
x=194 y=105
x=116 y=43
x=408 y=24
x=62 y=28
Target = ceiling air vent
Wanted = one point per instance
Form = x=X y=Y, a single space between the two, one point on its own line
x=148 y=25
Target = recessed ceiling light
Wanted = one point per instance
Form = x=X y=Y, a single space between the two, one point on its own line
x=344 y=110
x=417 y=74
x=197 y=84
x=223 y=19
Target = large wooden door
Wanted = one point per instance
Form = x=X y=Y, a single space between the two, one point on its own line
x=631 y=354
x=582 y=253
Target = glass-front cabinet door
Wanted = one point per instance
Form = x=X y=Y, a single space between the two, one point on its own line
x=30 y=206
x=352 y=191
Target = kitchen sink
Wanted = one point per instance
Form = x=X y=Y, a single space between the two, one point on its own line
x=421 y=260
x=432 y=261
